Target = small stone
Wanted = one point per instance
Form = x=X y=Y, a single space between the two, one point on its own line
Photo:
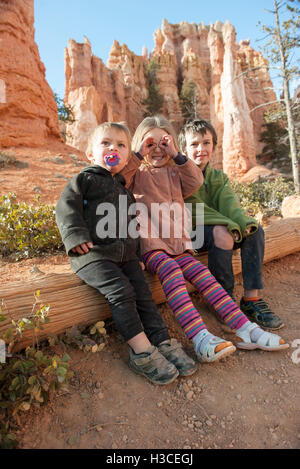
x=159 y=404
x=99 y=428
x=213 y=417
x=239 y=397
x=125 y=438
x=209 y=423
x=114 y=446
x=100 y=395
x=98 y=384
x=189 y=383
x=58 y=160
x=190 y=425
x=189 y=395
x=285 y=381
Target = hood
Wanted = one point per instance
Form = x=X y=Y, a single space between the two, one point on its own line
x=96 y=169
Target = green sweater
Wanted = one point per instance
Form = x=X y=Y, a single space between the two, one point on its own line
x=221 y=204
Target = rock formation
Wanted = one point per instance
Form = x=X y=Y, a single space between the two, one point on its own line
x=28 y=112
x=206 y=55
x=291 y=206
x=98 y=93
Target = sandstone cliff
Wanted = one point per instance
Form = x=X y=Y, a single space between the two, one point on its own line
x=28 y=112
x=206 y=55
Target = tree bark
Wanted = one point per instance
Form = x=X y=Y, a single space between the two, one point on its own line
x=72 y=302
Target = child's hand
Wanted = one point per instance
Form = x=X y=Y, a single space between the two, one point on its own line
x=166 y=144
x=147 y=146
x=248 y=230
x=83 y=248
x=236 y=235
x=142 y=265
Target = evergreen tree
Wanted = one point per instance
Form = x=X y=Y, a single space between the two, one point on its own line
x=188 y=100
x=154 y=101
x=283 y=41
x=64 y=111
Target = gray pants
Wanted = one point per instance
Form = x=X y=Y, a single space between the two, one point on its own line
x=126 y=290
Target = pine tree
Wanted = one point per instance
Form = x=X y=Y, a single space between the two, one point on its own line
x=188 y=100
x=155 y=100
x=283 y=40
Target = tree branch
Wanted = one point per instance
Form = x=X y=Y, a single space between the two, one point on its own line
x=266 y=104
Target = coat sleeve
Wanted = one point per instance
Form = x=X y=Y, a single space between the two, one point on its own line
x=228 y=205
x=69 y=215
x=191 y=177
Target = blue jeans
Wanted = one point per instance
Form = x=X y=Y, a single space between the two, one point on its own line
x=126 y=290
x=220 y=260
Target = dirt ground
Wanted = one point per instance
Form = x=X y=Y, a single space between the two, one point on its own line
x=249 y=400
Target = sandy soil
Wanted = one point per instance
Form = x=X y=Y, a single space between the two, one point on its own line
x=249 y=400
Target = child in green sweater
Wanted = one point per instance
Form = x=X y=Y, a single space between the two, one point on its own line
x=226 y=226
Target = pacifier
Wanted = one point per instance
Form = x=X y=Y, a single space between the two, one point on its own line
x=111 y=159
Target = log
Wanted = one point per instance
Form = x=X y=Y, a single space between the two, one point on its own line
x=72 y=302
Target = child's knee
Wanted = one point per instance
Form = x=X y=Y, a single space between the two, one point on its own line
x=222 y=238
x=123 y=294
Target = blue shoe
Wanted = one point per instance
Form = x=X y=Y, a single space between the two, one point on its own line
x=259 y=312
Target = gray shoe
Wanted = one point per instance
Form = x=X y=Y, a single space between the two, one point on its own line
x=173 y=351
x=153 y=365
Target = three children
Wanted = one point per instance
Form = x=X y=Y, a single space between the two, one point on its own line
x=109 y=259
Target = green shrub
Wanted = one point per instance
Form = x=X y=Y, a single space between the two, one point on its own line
x=27 y=379
x=263 y=195
x=7 y=159
x=86 y=338
x=27 y=230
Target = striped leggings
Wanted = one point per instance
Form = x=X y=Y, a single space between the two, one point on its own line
x=172 y=270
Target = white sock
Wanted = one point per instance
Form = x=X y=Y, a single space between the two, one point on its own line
x=198 y=338
x=254 y=334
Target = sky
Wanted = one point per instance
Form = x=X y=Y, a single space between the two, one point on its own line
x=132 y=22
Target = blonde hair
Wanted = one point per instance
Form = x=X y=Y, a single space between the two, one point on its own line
x=94 y=135
x=149 y=123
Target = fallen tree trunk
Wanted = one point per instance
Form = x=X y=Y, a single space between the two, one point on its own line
x=72 y=302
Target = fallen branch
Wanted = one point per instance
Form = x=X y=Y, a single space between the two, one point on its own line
x=72 y=302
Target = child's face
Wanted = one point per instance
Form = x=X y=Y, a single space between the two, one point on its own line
x=199 y=148
x=111 y=140
x=157 y=155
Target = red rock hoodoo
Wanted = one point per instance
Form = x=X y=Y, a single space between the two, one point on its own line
x=28 y=112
